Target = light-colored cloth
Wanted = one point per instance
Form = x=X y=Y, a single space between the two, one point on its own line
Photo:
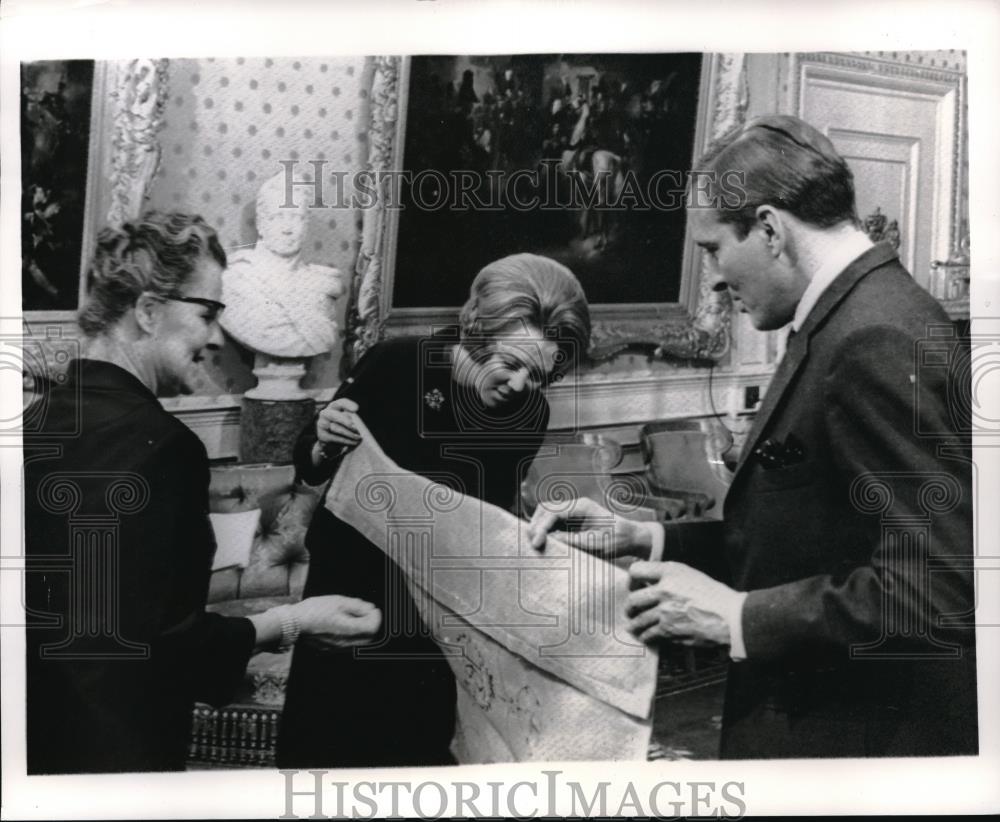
x=734 y=617
x=546 y=669
x=234 y=535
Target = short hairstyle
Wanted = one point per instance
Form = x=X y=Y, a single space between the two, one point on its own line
x=785 y=162
x=526 y=290
x=156 y=253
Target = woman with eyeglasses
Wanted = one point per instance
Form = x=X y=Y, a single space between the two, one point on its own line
x=464 y=407
x=118 y=537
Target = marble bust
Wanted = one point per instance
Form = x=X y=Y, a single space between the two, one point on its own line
x=277 y=304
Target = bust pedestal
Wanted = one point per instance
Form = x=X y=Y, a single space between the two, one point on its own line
x=277 y=378
x=269 y=428
x=274 y=411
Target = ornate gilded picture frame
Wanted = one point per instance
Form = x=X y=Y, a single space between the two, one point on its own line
x=681 y=315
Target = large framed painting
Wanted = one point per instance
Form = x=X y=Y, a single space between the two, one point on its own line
x=580 y=157
x=562 y=151
x=55 y=137
x=89 y=152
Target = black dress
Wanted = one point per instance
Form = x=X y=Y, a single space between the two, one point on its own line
x=118 y=540
x=346 y=709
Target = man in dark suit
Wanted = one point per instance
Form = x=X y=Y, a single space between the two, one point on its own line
x=841 y=574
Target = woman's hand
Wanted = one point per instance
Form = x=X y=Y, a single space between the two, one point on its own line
x=331 y=621
x=336 y=429
x=589 y=527
x=336 y=423
x=335 y=621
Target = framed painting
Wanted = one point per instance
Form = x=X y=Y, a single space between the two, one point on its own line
x=55 y=136
x=580 y=157
x=89 y=151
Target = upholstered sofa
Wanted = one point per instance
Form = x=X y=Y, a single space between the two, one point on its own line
x=243 y=732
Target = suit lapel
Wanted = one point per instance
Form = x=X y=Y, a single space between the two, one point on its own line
x=795 y=355
x=798 y=347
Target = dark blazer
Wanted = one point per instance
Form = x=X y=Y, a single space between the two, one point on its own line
x=856 y=552
x=118 y=536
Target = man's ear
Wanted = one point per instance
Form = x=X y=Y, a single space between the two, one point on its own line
x=146 y=312
x=775 y=229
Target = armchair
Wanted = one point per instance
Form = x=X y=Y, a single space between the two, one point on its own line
x=243 y=732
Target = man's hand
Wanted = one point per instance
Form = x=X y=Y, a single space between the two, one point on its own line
x=678 y=603
x=338 y=622
x=591 y=528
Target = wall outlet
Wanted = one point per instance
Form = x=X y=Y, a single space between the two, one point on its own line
x=751 y=396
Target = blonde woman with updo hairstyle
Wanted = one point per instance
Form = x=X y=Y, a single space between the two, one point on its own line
x=467 y=407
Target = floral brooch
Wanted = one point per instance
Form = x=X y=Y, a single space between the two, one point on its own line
x=434 y=399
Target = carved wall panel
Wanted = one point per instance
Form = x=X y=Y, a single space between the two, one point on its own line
x=898 y=123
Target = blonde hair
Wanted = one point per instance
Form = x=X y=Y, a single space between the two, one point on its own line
x=526 y=291
x=157 y=253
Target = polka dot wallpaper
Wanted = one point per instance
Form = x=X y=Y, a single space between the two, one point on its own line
x=228 y=124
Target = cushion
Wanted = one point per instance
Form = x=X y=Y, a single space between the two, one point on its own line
x=278 y=561
x=234 y=535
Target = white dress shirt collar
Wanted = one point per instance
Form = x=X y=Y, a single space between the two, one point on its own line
x=834 y=262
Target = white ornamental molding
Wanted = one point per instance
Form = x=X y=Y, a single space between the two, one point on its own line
x=138 y=95
x=366 y=319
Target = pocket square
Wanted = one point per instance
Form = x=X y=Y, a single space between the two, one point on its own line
x=773 y=453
